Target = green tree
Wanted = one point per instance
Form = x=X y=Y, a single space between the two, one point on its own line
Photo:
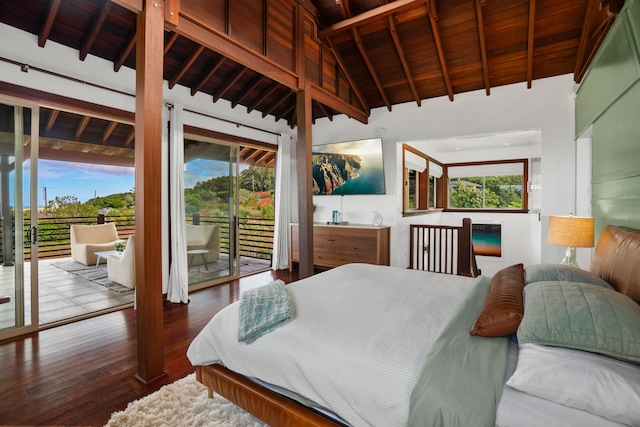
x=257 y=178
x=193 y=203
x=69 y=206
x=465 y=195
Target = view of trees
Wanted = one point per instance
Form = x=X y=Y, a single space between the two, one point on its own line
x=70 y=206
x=209 y=198
x=491 y=192
x=212 y=197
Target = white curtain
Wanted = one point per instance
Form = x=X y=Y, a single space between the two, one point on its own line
x=280 y=259
x=178 y=288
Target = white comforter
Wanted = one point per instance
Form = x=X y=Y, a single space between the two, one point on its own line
x=356 y=345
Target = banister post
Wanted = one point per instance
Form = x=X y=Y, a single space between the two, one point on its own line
x=464 y=247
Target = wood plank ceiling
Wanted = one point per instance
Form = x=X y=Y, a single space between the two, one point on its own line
x=382 y=53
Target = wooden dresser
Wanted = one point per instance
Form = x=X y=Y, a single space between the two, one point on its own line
x=334 y=245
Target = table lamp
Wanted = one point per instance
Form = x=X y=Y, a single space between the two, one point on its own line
x=572 y=232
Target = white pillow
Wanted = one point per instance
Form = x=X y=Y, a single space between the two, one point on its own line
x=579 y=379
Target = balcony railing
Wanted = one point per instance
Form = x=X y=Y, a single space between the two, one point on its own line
x=255 y=234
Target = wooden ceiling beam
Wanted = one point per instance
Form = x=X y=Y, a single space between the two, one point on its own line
x=184 y=67
x=229 y=83
x=286 y=111
x=95 y=28
x=134 y=6
x=373 y=14
x=132 y=136
x=124 y=54
x=108 y=131
x=50 y=17
x=597 y=44
x=351 y=80
x=246 y=91
x=483 y=46
x=206 y=77
x=263 y=158
x=275 y=104
x=193 y=28
x=82 y=126
x=372 y=71
x=530 y=40
x=321 y=95
x=324 y=111
x=438 y=40
x=82 y=157
x=403 y=59
x=52 y=119
x=587 y=36
x=265 y=93
x=170 y=41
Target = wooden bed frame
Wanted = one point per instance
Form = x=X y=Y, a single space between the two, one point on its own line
x=615 y=260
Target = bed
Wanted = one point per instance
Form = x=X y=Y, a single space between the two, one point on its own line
x=374 y=345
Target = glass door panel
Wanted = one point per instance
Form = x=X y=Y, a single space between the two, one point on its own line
x=18 y=130
x=210 y=206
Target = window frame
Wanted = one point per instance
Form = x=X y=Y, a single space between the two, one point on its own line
x=422 y=186
x=525 y=186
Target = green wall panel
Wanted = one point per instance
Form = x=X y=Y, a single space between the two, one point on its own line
x=614 y=68
x=633 y=12
x=609 y=98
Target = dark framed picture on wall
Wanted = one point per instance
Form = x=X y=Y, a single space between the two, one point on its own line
x=487 y=239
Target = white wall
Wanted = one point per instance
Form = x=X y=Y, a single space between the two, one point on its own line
x=548 y=106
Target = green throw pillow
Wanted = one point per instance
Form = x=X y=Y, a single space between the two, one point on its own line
x=581 y=316
x=554 y=272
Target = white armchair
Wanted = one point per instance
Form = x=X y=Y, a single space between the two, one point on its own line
x=86 y=240
x=122 y=268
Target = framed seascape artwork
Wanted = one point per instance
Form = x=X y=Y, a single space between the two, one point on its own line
x=350 y=167
x=487 y=240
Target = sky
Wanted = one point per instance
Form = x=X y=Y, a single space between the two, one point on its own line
x=82 y=180
x=86 y=181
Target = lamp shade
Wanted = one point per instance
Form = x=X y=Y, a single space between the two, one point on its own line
x=571 y=231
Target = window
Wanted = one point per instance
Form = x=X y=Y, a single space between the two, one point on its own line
x=421 y=180
x=497 y=185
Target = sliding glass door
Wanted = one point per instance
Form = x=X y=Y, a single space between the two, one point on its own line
x=210 y=194
x=229 y=190
x=18 y=223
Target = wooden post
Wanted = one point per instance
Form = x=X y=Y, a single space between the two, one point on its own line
x=148 y=256
x=305 y=191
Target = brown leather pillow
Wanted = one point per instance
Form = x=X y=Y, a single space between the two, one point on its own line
x=504 y=306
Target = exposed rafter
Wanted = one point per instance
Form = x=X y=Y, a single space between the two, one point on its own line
x=126 y=51
x=212 y=70
x=93 y=31
x=108 y=131
x=45 y=30
x=530 y=41
x=229 y=82
x=433 y=20
x=264 y=95
x=275 y=104
x=483 y=45
x=247 y=91
x=372 y=71
x=82 y=126
x=373 y=14
x=52 y=119
x=403 y=59
x=184 y=67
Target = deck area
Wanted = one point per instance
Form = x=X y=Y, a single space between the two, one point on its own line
x=64 y=295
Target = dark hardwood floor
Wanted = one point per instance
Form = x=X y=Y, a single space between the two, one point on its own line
x=79 y=373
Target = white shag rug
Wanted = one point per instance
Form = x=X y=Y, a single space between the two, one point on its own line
x=183 y=403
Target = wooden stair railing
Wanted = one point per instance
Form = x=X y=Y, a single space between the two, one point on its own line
x=443 y=249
